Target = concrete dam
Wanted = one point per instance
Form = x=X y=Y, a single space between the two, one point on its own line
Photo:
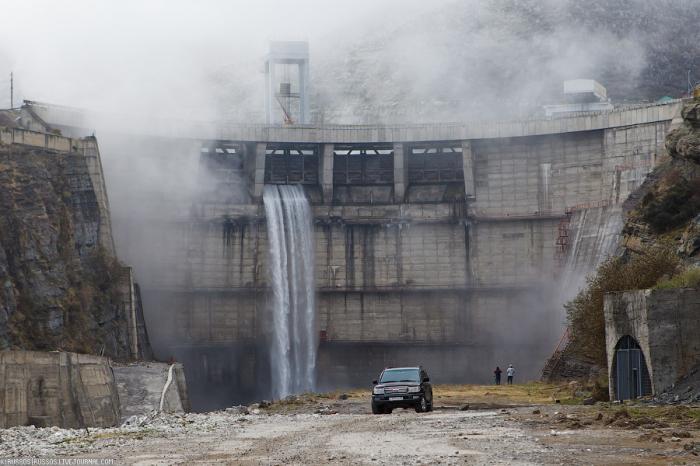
x=452 y=246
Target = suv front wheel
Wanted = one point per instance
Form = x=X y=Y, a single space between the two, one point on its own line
x=422 y=406
x=380 y=409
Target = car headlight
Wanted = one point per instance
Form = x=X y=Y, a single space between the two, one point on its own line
x=378 y=390
x=413 y=389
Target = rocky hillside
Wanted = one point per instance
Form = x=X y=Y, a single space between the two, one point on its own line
x=666 y=208
x=59 y=289
x=478 y=59
x=497 y=58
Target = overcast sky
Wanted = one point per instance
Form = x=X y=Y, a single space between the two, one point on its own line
x=117 y=54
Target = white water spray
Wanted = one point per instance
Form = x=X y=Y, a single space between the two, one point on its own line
x=596 y=234
x=291 y=254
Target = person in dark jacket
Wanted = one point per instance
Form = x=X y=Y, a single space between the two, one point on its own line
x=497 y=373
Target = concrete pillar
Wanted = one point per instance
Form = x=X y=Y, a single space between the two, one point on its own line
x=611 y=175
x=326 y=175
x=400 y=173
x=270 y=80
x=130 y=302
x=258 y=172
x=303 y=95
x=468 y=168
x=93 y=161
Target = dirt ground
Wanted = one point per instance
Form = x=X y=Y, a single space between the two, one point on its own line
x=502 y=425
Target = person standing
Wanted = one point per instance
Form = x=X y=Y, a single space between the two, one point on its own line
x=510 y=372
x=497 y=373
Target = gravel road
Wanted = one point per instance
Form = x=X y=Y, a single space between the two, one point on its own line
x=447 y=436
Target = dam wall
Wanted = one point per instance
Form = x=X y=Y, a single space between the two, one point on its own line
x=445 y=246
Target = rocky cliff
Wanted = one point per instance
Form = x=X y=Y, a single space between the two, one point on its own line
x=666 y=208
x=59 y=287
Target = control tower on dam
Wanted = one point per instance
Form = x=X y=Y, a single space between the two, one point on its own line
x=441 y=245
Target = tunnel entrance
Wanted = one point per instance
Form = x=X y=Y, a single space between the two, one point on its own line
x=631 y=376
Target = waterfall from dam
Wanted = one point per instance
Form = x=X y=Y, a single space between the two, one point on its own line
x=291 y=265
x=596 y=234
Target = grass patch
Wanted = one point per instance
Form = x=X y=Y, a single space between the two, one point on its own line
x=523 y=394
x=530 y=392
x=664 y=413
x=689 y=278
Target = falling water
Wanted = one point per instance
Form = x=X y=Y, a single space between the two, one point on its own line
x=294 y=343
x=596 y=233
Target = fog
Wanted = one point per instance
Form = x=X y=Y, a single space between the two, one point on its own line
x=372 y=61
x=166 y=58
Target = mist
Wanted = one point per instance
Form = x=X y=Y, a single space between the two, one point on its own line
x=174 y=59
x=371 y=61
x=131 y=65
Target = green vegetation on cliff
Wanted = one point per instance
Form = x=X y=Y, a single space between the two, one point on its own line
x=689 y=278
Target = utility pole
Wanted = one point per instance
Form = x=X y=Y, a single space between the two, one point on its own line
x=12 y=89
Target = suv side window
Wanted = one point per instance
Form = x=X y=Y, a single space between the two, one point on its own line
x=423 y=375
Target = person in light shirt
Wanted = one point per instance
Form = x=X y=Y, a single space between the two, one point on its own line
x=510 y=372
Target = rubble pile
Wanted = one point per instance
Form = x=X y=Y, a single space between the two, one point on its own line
x=29 y=441
x=685 y=391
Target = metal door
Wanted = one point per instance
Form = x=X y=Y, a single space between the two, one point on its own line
x=631 y=375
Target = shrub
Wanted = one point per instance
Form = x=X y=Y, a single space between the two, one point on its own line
x=585 y=311
x=689 y=278
x=600 y=392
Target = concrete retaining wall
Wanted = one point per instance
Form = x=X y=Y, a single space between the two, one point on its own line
x=141 y=387
x=63 y=389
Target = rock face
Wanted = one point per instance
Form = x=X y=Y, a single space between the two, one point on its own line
x=59 y=288
x=690 y=241
x=684 y=142
x=670 y=200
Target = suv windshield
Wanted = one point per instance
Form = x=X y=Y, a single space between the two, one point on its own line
x=400 y=375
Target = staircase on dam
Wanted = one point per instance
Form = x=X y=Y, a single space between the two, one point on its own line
x=451 y=246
